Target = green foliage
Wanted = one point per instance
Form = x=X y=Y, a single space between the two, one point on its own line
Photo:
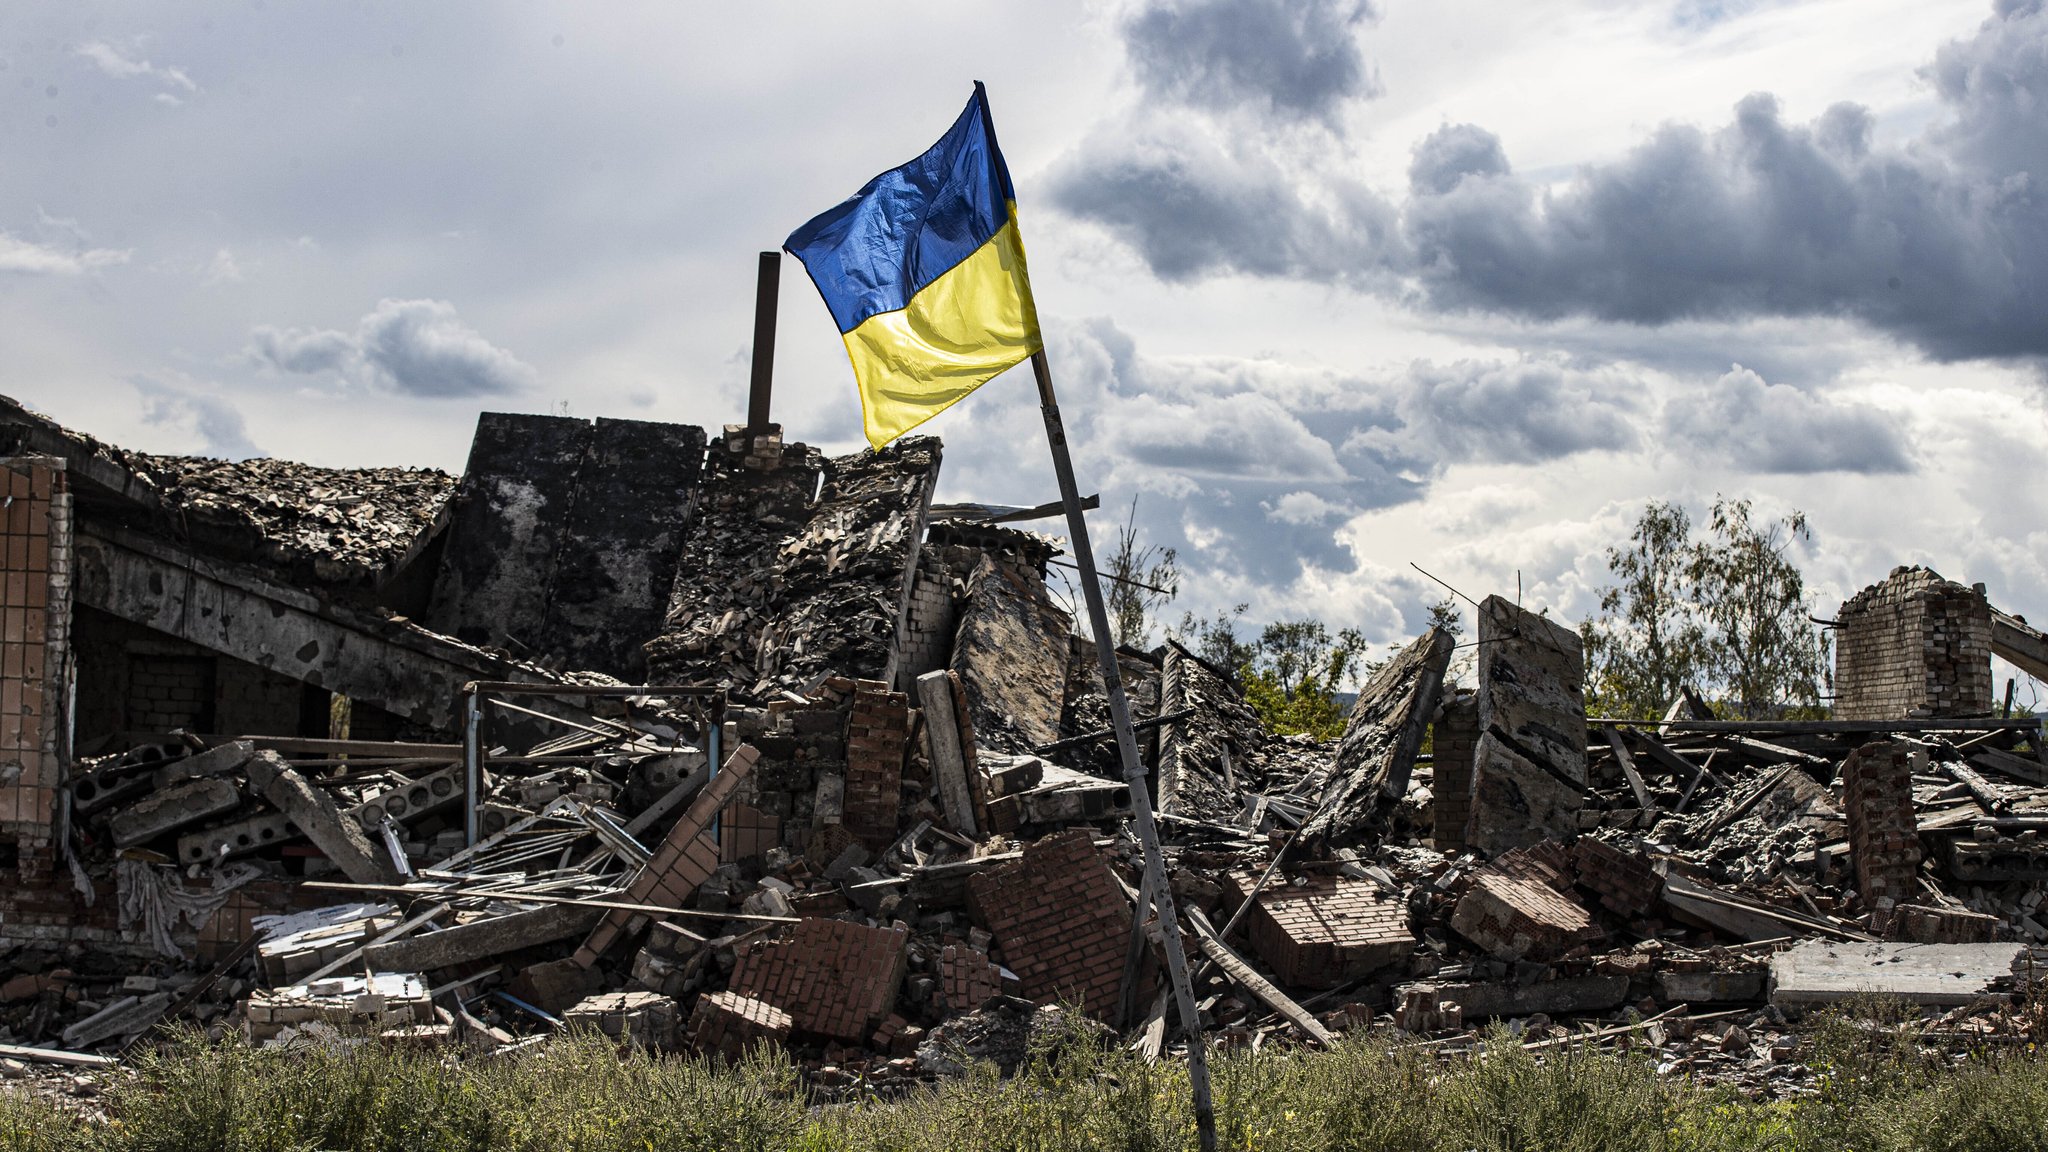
x=1726 y=615
x=1880 y=1088
x=1294 y=673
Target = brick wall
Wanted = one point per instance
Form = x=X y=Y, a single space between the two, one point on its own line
x=967 y=978
x=834 y=978
x=35 y=648
x=1625 y=882
x=1520 y=918
x=242 y=699
x=876 y=731
x=1061 y=923
x=928 y=625
x=728 y=1023
x=1913 y=645
x=745 y=832
x=1453 y=741
x=1884 y=837
x=1328 y=932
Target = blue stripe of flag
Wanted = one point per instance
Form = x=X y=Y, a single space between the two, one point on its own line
x=910 y=225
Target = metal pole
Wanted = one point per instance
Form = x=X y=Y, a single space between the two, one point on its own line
x=1127 y=746
x=472 y=767
x=767 y=285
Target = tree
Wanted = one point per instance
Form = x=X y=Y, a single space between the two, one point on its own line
x=1294 y=674
x=1141 y=578
x=1726 y=616
x=1762 y=645
x=1215 y=640
x=1648 y=643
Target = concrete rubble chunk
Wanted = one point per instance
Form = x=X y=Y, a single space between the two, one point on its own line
x=1011 y=656
x=1529 y=770
x=1818 y=972
x=1370 y=771
x=1198 y=754
x=482 y=938
x=172 y=808
x=316 y=814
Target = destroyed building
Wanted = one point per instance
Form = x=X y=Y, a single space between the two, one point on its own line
x=713 y=741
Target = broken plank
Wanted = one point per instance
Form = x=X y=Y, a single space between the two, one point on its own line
x=1249 y=978
x=56 y=1056
x=1628 y=768
x=2017 y=767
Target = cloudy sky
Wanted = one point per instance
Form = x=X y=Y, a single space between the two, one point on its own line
x=1332 y=286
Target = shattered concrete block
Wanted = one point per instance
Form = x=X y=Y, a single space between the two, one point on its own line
x=212 y=762
x=1195 y=752
x=967 y=978
x=481 y=939
x=1515 y=918
x=1011 y=654
x=1627 y=884
x=647 y=1019
x=315 y=812
x=1711 y=987
x=236 y=839
x=1376 y=754
x=1329 y=932
x=433 y=792
x=172 y=808
x=127 y=1015
x=1827 y=971
x=946 y=752
x=833 y=977
x=1529 y=769
x=1884 y=834
x=728 y=1023
x=1062 y=923
x=686 y=858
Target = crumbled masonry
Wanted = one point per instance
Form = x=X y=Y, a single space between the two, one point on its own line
x=771 y=752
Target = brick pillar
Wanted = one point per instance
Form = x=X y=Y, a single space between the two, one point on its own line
x=1913 y=645
x=35 y=654
x=1453 y=741
x=876 y=732
x=1884 y=838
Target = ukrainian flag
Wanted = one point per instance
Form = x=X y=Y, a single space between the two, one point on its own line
x=924 y=271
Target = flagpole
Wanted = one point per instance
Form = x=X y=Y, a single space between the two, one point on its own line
x=1127 y=748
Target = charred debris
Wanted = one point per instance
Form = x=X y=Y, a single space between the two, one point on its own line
x=715 y=742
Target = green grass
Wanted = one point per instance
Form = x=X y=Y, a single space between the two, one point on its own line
x=1879 y=1090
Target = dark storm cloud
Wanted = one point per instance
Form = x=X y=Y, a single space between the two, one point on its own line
x=1778 y=428
x=1195 y=203
x=417 y=347
x=1528 y=411
x=1943 y=244
x=1296 y=58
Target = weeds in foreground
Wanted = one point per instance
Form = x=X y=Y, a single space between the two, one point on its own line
x=1880 y=1089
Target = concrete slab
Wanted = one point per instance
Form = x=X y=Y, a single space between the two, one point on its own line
x=1826 y=971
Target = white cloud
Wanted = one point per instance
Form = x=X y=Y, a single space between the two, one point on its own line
x=33 y=259
x=417 y=347
x=121 y=66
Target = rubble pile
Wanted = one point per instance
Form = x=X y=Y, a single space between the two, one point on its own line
x=867 y=807
x=327 y=525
